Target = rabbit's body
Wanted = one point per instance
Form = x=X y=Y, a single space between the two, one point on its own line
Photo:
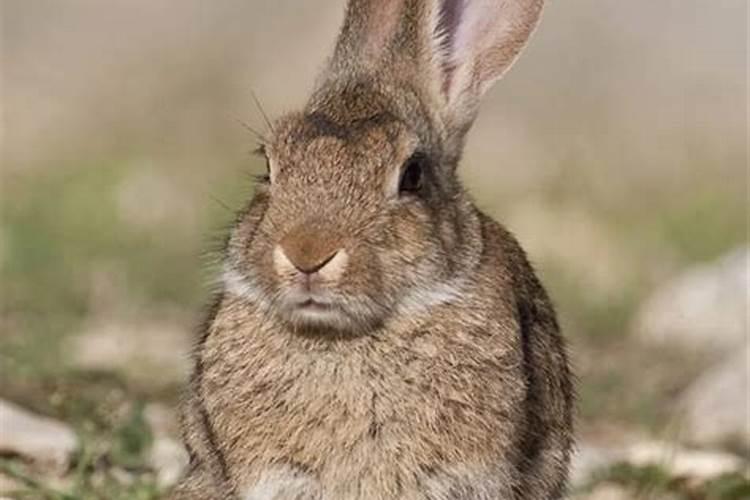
x=377 y=337
x=464 y=399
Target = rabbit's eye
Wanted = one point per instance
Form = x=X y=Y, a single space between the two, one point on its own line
x=413 y=172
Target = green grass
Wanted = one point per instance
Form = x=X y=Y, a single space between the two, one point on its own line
x=653 y=481
x=114 y=440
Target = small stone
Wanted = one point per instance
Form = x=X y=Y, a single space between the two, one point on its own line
x=41 y=439
x=8 y=485
x=705 y=308
x=607 y=491
x=683 y=462
x=715 y=407
x=152 y=353
x=589 y=459
x=169 y=459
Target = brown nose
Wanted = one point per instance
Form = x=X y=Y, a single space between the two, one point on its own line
x=307 y=249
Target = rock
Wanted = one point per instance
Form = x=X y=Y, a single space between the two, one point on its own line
x=169 y=459
x=704 y=308
x=168 y=456
x=608 y=491
x=589 y=459
x=8 y=485
x=35 y=437
x=715 y=407
x=153 y=353
x=692 y=465
x=683 y=462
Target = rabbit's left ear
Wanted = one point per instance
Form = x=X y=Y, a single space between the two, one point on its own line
x=475 y=43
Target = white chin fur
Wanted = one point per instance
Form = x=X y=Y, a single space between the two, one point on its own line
x=239 y=285
x=320 y=318
x=418 y=301
x=243 y=287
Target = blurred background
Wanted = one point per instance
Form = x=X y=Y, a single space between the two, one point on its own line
x=616 y=150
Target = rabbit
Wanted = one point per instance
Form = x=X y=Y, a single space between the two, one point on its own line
x=375 y=335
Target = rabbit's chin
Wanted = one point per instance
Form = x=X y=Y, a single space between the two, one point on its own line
x=309 y=311
x=313 y=312
x=316 y=317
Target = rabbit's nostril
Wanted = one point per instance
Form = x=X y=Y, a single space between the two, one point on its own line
x=309 y=263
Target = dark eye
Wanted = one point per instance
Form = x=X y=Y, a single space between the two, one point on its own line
x=412 y=174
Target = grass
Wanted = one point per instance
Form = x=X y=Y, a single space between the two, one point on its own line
x=655 y=482
x=114 y=440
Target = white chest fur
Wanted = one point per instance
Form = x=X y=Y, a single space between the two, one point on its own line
x=283 y=483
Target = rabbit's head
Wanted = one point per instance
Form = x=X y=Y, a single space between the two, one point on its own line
x=361 y=215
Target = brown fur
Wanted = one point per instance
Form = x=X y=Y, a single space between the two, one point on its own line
x=437 y=370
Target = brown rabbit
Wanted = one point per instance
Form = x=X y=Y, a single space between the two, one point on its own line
x=377 y=337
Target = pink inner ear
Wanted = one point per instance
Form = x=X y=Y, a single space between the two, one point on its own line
x=450 y=14
x=475 y=25
x=479 y=40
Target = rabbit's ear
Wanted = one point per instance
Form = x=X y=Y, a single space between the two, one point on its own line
x=369 y=29
x=455 y=48
x=476 y=41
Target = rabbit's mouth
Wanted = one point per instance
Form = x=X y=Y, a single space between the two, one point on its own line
x=313 y=305
x=322 y=310
x=315 y=312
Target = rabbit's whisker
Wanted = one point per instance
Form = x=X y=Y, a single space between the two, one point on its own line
x=262 y=111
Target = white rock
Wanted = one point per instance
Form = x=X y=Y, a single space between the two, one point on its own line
x=716 y=407
x=683 y=462
x=168 y=456
x=8 y=485
x=169 y=459
x=41 y=439
x=608 y=492
x=589 y=459
x=704 y=308
x=148 y=352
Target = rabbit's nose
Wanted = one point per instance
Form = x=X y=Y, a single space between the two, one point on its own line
x=307 y=251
